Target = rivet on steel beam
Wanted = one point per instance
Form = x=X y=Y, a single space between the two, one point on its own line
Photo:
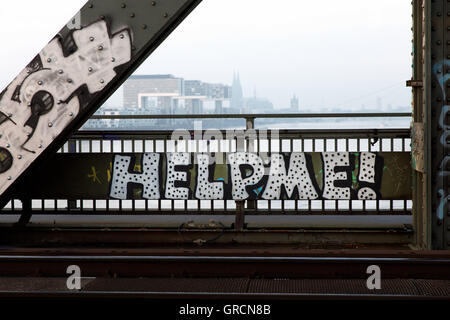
x=166 y=15
x=28 y=71
x=40 y=83
x=40 y=146
x=102 y=81
x=29 y=104
x=100 y=48
x=438 y=42
x=91 y=38
x=49 y=60
x=123 y=5
x=8 y=145
x=113 y=59
x=50 y=124
x=69 y=80
x=90 y=69
x=9 y=178
x=153 y=3
x=132 y=15
x=102 y=17
x=90 y=6
x=71 y=114
x=121 y=36
x=19 y=156
x=61 y=71
x=10 y=115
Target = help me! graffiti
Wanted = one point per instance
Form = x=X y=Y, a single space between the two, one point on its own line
x=245 y=175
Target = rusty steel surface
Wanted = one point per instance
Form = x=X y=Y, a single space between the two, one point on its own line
x=74 y=74
x=439 y=108
x=91 y=237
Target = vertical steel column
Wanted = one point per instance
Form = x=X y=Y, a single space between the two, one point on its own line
x=421 y=85
x=438 y=107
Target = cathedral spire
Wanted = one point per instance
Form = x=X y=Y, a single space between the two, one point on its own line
x=237 y=98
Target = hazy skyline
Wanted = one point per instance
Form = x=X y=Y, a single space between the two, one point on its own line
x=328 y=53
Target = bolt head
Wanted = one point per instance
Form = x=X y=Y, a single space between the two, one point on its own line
x=50 y=124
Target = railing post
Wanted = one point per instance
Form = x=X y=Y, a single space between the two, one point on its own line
x=247 y=147
x=250 y=144
x=25 y=217
x=71 y=148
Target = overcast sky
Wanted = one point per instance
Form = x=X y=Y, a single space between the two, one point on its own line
x=330 y=53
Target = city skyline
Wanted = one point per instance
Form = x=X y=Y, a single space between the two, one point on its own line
x=328 y=65
x=117 y=100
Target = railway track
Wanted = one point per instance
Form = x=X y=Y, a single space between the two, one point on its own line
x=239 y=274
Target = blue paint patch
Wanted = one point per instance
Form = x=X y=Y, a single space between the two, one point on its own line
x=257 y=191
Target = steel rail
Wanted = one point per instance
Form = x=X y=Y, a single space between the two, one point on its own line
x=254 y=116
x=212 y=296
x=157 y=258
x=344 y=267
x=297 y=133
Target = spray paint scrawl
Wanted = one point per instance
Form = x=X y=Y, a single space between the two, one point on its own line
x=246 y=176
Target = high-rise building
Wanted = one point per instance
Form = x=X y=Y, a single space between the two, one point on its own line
x=166 y=94
x=237 y=96
x=138 y=88
x=294 y=103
